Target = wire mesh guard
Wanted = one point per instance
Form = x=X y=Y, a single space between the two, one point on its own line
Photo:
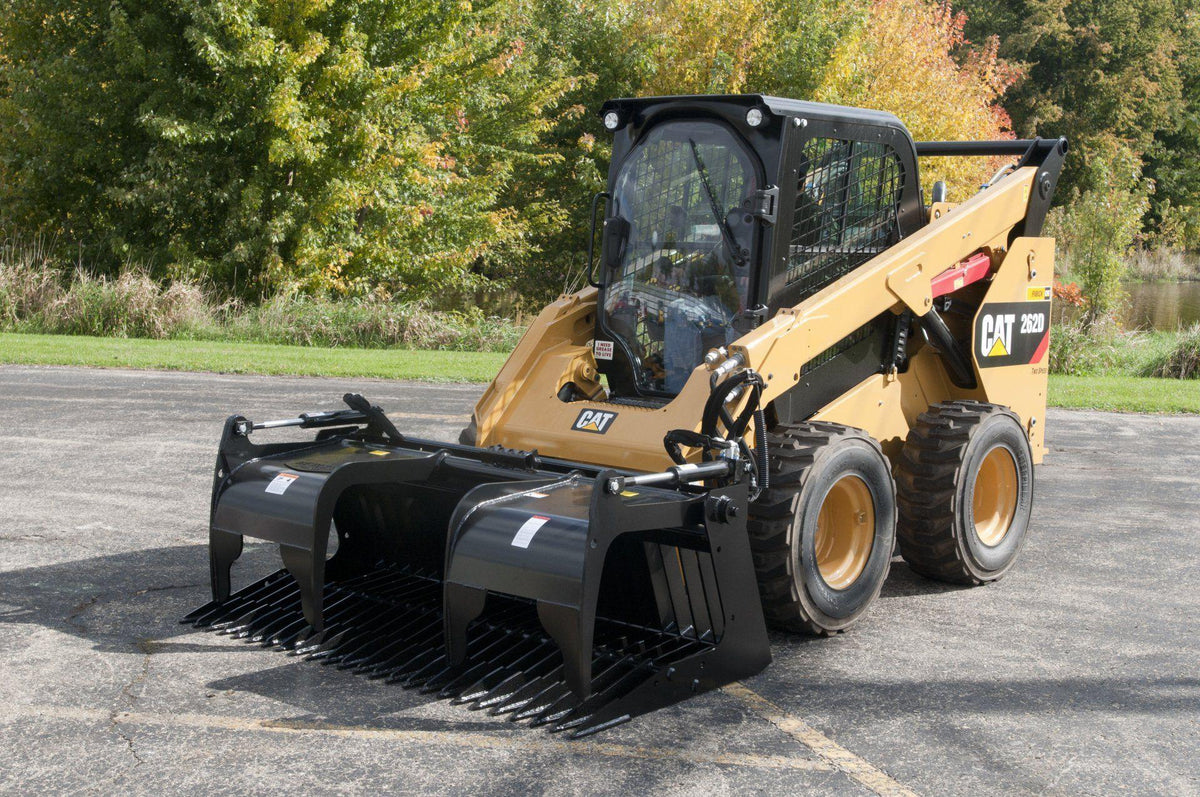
x=388 y=624
x=846 y=210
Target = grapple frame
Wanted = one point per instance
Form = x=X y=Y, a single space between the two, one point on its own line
x=560 y=592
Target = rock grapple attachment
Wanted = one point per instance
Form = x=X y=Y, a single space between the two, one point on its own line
x=550 y=591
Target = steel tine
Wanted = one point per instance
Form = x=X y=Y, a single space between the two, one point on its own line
x=515 y=681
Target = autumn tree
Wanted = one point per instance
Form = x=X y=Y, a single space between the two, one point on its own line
x=904 y=60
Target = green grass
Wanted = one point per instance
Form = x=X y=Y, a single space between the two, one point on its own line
x=248 y=358
x=1125 y=394
x=1115 y=393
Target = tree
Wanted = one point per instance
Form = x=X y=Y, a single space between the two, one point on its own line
x=618 y=48
x=1098 y=226
x=904 y=61
x=331 y=146
x=1097 y=70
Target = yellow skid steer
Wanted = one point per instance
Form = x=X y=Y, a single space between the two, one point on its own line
x=786 y=365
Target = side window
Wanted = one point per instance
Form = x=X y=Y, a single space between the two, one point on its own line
x=846 y=210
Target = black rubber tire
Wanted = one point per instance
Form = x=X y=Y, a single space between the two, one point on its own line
x=469 y=434
x=935 y=482
x=806 y=460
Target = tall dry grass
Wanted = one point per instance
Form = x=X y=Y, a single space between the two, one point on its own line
x=1162 y=265
x=1181 y=361
x=39 y=295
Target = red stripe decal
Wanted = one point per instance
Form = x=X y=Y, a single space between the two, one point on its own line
x=1040 y=352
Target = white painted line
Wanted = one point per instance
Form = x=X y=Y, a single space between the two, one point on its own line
x=533 y=742
x=841 y=759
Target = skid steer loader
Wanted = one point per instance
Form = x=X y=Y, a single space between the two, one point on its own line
x=785 y=366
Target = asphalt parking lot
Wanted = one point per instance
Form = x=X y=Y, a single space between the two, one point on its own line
x=1078 y=673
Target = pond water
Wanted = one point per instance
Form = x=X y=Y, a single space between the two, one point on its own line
x=1162 y=305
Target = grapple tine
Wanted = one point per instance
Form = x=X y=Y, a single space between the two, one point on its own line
x=610 y=673
x=509 y=683
x=398 y=652
x=383 y=637
x=462 y=684
x=619 y=685
x=413 y=655
x=544 y=702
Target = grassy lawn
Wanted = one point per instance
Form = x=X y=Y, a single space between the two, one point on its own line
x=1117 y=393
x=248 y=358
x=1125 y=394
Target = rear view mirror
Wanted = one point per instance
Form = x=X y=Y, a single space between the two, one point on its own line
x=616 y=235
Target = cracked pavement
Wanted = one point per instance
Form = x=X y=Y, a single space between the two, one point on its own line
x=1076 y=674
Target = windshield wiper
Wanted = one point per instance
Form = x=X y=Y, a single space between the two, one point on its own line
x=727 y=238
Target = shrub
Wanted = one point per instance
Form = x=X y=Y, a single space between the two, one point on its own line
x=264 y=143
x=1097 y=229
x=34 y=298
x=1079 y=351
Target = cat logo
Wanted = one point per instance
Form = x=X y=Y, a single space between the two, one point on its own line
x=996 y=331
x=594 y=421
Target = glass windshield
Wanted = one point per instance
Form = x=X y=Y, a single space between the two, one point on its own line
x=685 y=272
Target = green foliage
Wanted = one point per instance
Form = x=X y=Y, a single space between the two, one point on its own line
x=1097 y=229
x=902 y=60
x=447 y=152
x=1104 y=349
x=618 y=48
x=337 y=146
x=1172 y=159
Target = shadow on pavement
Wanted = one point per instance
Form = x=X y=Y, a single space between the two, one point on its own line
x=122 y=600
x=134 y=601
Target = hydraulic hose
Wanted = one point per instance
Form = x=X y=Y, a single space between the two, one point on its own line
x=760 y=445
x=716 y=404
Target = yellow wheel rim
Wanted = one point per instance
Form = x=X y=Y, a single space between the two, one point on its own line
x=845 y=532
x=995 y=503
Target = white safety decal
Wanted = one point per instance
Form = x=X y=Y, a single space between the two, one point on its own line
x=603 y=349
x=528 y=529
x=280 y=483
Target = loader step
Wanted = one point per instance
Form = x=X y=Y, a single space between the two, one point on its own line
x=388 y=624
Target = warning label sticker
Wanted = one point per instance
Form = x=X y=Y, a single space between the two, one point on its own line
x=1012 y=333
x=603 y=349
x=528 y=529
x=280 y=483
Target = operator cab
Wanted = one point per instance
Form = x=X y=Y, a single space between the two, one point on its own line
x=723 y=209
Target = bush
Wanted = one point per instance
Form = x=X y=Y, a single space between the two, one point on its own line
x=367 y=323
x=1182 y=361
x=1104 y=348
x=27 y=285
x=1077 y=350
x=130 y=306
